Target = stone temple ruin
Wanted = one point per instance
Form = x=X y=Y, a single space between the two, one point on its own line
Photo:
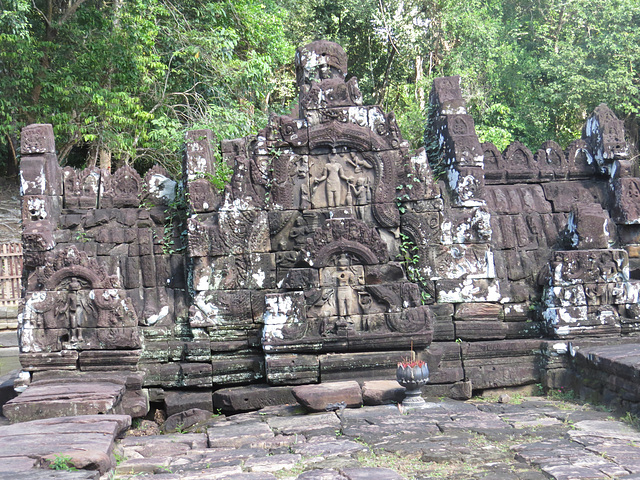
x=330 y=254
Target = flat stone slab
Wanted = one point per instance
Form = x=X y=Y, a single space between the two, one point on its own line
x=370 y=473
x=25 y=445
x=244 y=434
x=536 y=439
x=329 y=396
x=621 y=360
x=382 y=392
x=49 y=400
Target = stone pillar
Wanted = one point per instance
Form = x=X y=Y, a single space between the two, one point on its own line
x=459 y=154
x=462 y=265
x=41 y=189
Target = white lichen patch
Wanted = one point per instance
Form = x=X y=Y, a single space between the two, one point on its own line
x=153 y=319
x=565 y=320
x=560 y=348
x=459 y=110
x=202 y=282
x=37 y=208
x=233 y=208
x=453 y=177
x=376 y=117
x=34 y=187
x=565 y=296
x=259 y=278
x=358 y=116
x=203 y=302
x=162 y=187
x=471 y=290
x=279 y=309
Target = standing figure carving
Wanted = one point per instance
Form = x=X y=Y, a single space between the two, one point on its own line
x=346 y=297
x=333 y=174
x=76 y=309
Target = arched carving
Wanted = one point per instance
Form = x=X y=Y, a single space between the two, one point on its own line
x=342 y=235
x=79 y=305
x=363 y=253
x=520 y=163
x=126 y=185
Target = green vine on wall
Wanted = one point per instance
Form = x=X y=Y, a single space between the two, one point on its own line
x=410 y=257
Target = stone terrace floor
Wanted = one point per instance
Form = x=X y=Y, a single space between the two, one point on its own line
x=526 y=439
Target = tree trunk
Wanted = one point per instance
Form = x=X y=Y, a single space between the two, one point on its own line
x=419 y=85
x=12 y=157
x=104 y=154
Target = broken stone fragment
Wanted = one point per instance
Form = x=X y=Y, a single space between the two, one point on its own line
x=329 y=396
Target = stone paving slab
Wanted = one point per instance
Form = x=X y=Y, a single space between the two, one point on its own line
x=87 y=441
x=528 y=439
x=46 y=400
x=531 y=439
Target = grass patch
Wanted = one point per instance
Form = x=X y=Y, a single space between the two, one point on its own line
x=62 y=462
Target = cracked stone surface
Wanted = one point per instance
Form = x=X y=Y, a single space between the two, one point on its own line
x=531 y=438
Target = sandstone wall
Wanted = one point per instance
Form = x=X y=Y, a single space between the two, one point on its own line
x=334 y=250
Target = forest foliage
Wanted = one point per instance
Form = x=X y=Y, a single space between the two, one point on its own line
x=122 y=80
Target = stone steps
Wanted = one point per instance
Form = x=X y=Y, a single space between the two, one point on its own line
x=59 y=394
x=610 y=374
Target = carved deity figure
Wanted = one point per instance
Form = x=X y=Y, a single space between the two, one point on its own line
x=608 y=267
x=362 y=194
x=333 y=174
x=358 y=163
x=301 y=197
x=299 y=233
x=346 y=301
x=76 y=309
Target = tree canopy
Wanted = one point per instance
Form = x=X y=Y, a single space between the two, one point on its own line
x=121 y=81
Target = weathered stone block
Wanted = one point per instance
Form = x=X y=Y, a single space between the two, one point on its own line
x=292 y=369
x=109 y=360
x=195 y=374
x=183 y=420
x=564 y=195
x=590 y=227
x=457 y=261
x=222 y=308
x=482 y=330
x=478 y=311
x=284 y=318
x=444 y=91
x=382 y=392
x=66 y=359
x=40 y=207
x=180 y=401
x=502 y=372
x=166 y=375
x=37 y=139
x=237 y=368
x=252 y=397
x=589 y=266
x=468 y=290
x=444 y=361
x=199 y=158
x=52 y=399
x=467 y=184
x=329 y=396
x=38 y=236
x=624 y=197
x=203 y=196
x=255 y=271
x=462 y=390
x=359 y=366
